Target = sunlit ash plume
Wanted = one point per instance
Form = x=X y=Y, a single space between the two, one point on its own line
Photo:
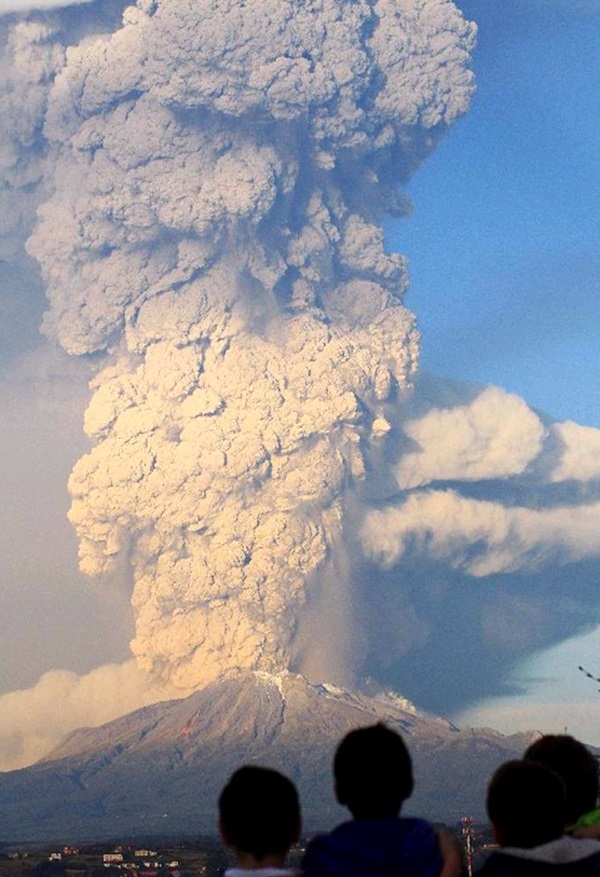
x=202 y=186
x=217 y=172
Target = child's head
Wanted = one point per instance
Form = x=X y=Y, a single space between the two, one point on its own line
x=373 y=772
x=259 y=814
x=526 y=804
x=575 y=765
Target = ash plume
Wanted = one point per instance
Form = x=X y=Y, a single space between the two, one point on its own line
x=215 y=174
x=31 y=57
x=34 y=720
x=202 y=186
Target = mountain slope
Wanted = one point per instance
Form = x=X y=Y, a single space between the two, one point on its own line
x=159 y=770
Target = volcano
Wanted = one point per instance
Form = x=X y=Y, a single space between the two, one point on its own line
x=158 y=771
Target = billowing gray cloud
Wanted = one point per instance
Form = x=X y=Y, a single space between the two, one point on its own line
x=212 y=228
x=31 y=56
x=202 y=187
x=34 y=720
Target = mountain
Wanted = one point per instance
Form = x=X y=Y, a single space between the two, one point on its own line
x=159 y=770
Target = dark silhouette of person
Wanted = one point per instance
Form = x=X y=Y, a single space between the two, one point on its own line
x=373 y=778
x=578 y=769
x=527 y=806
x=259 y=819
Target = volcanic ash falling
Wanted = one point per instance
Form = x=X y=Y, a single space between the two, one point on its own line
x=218 y=170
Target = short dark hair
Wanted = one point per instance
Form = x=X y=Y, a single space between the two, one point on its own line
x=574 y=764
x=527 y=804
x=259 y=811
x=373 y=772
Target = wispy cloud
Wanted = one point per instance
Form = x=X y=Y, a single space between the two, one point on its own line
x=10 y=6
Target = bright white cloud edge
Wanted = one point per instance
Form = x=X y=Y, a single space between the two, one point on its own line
x=7 y=7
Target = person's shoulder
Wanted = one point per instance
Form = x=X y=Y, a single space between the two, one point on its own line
x=391 y=846
x=322 y=852
x=566 y=857
x=417 y=823
x=501 y=864
x=419 y=829
x=420 y=848
x=494 y=863
x=324 y=837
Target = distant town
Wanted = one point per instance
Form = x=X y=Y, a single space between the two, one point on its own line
x=200 y=857
x=205 y=857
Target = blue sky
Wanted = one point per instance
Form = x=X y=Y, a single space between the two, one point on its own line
x=505 y=267
x=503 y=243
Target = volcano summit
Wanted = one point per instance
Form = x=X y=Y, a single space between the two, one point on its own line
x=159 y=771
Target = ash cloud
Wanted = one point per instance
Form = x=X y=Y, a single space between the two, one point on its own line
x=211 y=233
x=33 y=721
x=31 y=57
x=202 y=186
x=496 y=435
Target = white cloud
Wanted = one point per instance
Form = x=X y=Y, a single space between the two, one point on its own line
x=494 y=436
x=578 y=454
x=482 y=537
x=11 y=6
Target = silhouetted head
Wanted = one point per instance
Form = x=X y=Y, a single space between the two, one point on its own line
x=373 y=772
x=574 y=764
x=259 y=812
x=526 y=804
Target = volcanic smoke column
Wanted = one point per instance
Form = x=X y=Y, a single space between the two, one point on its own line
x=218 y=170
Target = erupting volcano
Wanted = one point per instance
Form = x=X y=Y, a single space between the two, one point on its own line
x=219 y=172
